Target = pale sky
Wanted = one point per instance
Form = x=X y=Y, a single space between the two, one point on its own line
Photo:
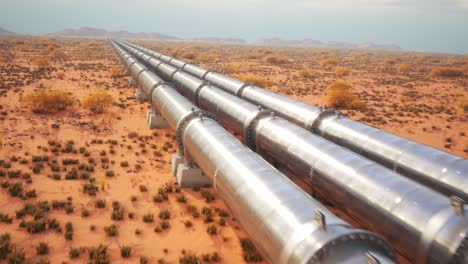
x=425 y=25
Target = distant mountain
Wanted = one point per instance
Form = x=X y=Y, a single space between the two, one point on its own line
x=6 y=32
x=330 y=44
x=102 y=33
x=292 y=42
x=220 y=40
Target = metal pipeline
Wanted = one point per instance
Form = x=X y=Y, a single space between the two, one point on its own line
x=437 y=169
x=286 y=224
x=434 y=230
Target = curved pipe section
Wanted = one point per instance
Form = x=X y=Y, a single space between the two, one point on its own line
x=376 y=196
x=437 y=169
x=286 y=224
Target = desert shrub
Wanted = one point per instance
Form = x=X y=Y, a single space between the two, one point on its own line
x=4 y=218
x=98 y=102
x=193 y=211
x=58 y=54
x=189 y=258
x=212 y=230
x=304 y=73
x=181 y=199
x=205 y=57
x=447 y=72
x=339 y=95
x=16 y=257
x=329 y=62
x=277 y=59
x=68 y=231
x=207 y=214
x=47 y=101
x=126 y=251
x=42 y=63
x=189 y=55
x=258 y=80
x=249 y=252
x=404 y=67
x=209 y=197
x=342 y=71
x=5 y=245
x=148 y=218
x=74 y=253
x=111 y=230
x=100 y=203
x=98 y=255
x=164 y=224
x=165 y=214
x=115 y=72
x=42 y=248
x=462 y=104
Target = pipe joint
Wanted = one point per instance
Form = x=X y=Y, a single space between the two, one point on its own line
x=240 y=91
x=249 y=128
x=321 y=116
x=195 y=114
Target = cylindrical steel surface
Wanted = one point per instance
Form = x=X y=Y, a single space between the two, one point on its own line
x=437 y=169
x=286 y=224
x=376 y=196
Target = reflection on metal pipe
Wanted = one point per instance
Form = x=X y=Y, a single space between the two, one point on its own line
x=286 y=224
x=437 y=169
x=378 y=197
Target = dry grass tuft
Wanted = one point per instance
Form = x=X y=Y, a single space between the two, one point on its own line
x=462 y=104
x=115 y=72
x=342 y=71
x=339 y=96
x=47 y=101
x=404 y=67
x=258 y=80
x=277 y=59
x=42 y=63
x=329 y=62
x=98 y=102
x=447 y=72
x=304 y=73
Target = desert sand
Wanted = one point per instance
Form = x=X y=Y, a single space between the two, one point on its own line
x=124 y=161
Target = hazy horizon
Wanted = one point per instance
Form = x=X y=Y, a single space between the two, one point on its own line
x=431 y=25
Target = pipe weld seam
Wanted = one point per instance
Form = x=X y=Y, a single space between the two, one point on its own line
x=173 y=73
x=185 y=64
x=250 y=127
x=184 y=122
x=197 y=92
x=205 y=74
x=322 y=115
x=242 y=88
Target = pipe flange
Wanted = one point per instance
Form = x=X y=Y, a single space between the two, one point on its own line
x=205 y=74
x=131 y=64
x=185 y=64
x=140 y=72
x=249 y=129
x=198 y=90
x=185 y=120
x=242 y=88
x=169 y=60
x=369 y=238
x=322 y=115
x=173 y=73
x=459 y=255
x=159 y=64
x=149 y=58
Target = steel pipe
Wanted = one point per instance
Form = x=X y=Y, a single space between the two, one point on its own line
x=437 y=169
x=376 y=196
x=286 y=224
